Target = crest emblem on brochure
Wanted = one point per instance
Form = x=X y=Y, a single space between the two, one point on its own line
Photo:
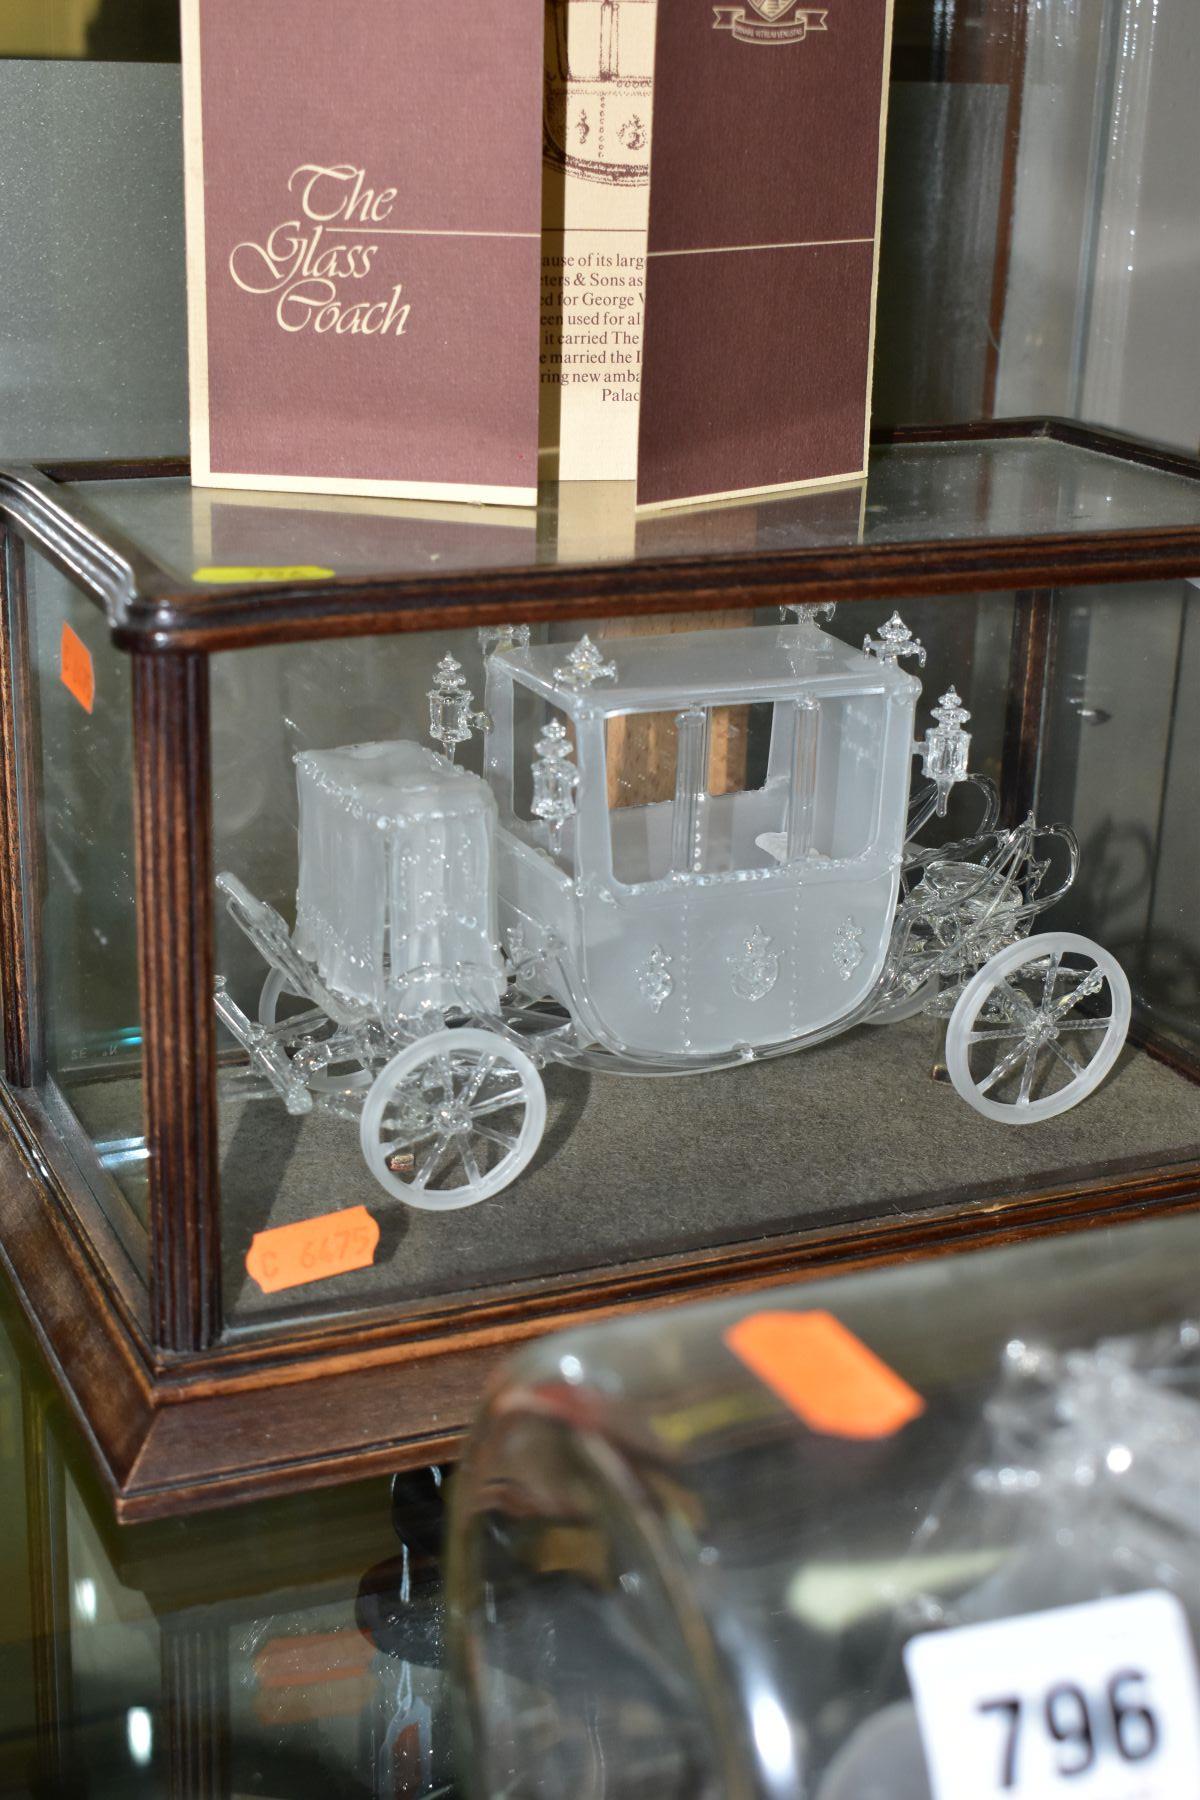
x=777 y=21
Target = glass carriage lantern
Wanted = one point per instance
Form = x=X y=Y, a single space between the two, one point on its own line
x=945 y=748
x=451 y=721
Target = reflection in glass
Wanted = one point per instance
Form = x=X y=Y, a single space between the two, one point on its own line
x=1012 y=487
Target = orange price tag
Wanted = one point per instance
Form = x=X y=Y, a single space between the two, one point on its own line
x=316 y=1657
x=277 y=1708
x=825 y=1374
x=77 y=669
x=333 y=1243
x=323 y=1675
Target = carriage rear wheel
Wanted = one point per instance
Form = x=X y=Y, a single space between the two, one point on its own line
x=1038 y=1028
x=452 y=1119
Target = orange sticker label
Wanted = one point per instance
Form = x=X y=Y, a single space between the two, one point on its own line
x=323 y=1675
x=290 y=1255
x=77 y=669
x=275 y=1709
x=316 y=1657
x=825 y=1374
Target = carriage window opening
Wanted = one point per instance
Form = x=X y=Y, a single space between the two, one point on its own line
x=641 y=753
x=835 y=793
x=688 y=790
x=739 y=746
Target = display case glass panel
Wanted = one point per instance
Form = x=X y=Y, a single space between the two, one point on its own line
x=1117 y=747
x=1022 y=486
x=641 y=932
x=75 y=773
x=296 y=1649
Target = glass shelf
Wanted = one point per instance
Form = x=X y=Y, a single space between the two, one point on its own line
x=956 y=492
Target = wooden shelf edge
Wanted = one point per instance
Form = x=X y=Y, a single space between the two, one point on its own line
x=151 y=610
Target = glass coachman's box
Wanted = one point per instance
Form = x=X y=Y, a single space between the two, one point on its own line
x=425 y=925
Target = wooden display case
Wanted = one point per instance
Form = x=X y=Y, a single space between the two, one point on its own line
x=213 y=629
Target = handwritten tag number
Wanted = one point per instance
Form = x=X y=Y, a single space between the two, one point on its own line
x=1125 y=1721
x=287 y=1256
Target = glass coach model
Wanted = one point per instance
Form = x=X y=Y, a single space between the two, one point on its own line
x=454 y=933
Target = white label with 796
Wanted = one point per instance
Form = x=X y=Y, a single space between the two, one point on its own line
x=1094 y=1702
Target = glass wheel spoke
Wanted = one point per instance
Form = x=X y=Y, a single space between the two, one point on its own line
x=1006 y=1031
x=500 y=1138
x=1002 y=1068
x=1085 y=1025
x=1068 y=1061
x=390 y=1146
x=1090 y=982
x=1052 y=968
x=477 y=1080
x=433 y=1161
x=1027 y=1075
x=497 y=1102
x=467 y=1158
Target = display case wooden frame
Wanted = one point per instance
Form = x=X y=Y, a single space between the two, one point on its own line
x=206 y=1590
x=177 y=1411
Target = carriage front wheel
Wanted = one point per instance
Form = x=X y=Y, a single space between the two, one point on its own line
x=1038 y=1028
x=452 y=1119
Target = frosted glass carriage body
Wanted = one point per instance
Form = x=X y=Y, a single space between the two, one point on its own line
x=771 y=933
x=756 y=910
